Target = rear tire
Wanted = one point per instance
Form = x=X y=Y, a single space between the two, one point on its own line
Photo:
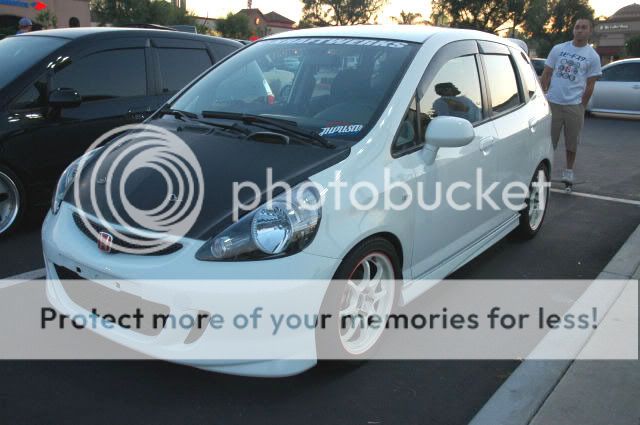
x=537 y=203
x=365 y=284
x=12 y=201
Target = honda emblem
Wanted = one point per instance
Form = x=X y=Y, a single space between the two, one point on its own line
x=105 y=242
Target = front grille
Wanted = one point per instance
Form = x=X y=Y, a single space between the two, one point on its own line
x=117 y=242
x=91 y=295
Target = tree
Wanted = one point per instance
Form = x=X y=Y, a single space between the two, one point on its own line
x=47 y=19
x=483 y=15
x=633 y=46
x=234 y=26
x=124 y=12
x=407 y=18
x=323 y=13
x=565 y=14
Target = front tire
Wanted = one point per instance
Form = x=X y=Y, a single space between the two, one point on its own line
x=537 y=203
x=364 y=285
x=12 y=201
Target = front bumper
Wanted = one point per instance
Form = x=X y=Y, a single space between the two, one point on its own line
x=186 y=285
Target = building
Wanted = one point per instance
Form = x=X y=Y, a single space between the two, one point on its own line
x=12 y=10
x=209 y=23
x=266 y=24
x=610 y=35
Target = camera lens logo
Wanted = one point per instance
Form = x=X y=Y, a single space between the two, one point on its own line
x=120 y=224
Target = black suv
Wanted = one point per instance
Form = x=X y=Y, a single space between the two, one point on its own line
x=62 y=89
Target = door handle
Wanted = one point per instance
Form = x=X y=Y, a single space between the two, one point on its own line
x=486 y=144
x=532 y=124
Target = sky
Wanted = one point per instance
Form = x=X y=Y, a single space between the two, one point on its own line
x=292 y=9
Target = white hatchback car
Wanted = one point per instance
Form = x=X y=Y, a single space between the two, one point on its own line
x=447 y=114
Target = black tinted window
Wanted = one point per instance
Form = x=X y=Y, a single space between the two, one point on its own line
x=503 y=84
x=105 y=75
x=623 y=72
x=179 y=66
x=35 y=96
x=17 y=54
x=455 y=92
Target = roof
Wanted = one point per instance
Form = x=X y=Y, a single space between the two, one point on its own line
x=411 y=33
x=248 y=11
x=276 y=17
x=630 y=12
x=108 y=32
x=630 y=60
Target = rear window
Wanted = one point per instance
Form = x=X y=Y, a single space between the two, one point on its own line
x=18 y=54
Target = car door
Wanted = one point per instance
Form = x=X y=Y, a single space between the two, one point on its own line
x=442 y=230
x=112 y=82
x=515 y=123
x=619 y=89
x=176 y=63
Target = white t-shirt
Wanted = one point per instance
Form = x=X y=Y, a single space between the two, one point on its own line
x=571 y=67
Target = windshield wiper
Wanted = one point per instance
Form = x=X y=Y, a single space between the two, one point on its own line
x=192 y=117
x=281 y=124
x=183 y=115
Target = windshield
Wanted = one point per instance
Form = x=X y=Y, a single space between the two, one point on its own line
x=336 y=87
x=17 y=54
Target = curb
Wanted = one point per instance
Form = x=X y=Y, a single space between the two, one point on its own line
x=520 y=397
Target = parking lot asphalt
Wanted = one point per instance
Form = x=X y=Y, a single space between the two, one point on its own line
x=579 y=237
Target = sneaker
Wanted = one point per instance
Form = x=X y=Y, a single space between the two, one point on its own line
x=567 y=176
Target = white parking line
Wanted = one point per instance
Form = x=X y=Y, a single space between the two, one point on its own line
x=600 y=197
x=22 y=277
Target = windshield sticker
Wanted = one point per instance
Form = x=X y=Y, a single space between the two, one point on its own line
x=345 y=41
x=342 y=130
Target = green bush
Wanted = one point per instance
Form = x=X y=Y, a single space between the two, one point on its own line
x=633 y=47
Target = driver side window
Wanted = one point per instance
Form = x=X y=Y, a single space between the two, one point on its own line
x=455 y=92
x=33 y=97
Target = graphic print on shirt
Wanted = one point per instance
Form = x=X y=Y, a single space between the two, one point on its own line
x=571 y=65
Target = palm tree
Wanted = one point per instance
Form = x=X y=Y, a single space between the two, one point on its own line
x=408 y=18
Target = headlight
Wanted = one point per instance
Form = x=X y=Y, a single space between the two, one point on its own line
x=281 y=227
x=67 y=179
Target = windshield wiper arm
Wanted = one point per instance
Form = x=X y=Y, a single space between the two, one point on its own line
x=183 y=115
x=192 y=117
x=281 y=124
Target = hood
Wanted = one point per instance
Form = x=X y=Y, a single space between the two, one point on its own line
x=223 y=160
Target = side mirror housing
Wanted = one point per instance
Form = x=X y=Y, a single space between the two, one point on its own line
x=64 y=98
x=446 y=132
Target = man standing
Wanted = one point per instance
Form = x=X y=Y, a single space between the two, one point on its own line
x=569 y=76
x=24 y=25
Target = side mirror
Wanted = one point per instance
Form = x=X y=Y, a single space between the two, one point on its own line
x=446 y=132
x=64 y=98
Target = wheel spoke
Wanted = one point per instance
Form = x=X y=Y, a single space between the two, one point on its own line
x=351 y=309
x=350 y=330
x=366 y=274
x=357 y=289
x=378 y=296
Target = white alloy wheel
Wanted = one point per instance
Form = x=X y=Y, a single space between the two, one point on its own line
x=370 y=291
x=9 y=202
x=538 y=200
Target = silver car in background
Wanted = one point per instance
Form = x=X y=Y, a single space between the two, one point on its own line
x=618 y=91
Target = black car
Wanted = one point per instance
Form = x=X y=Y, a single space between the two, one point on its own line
x=62 y=89
x=538 y=65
